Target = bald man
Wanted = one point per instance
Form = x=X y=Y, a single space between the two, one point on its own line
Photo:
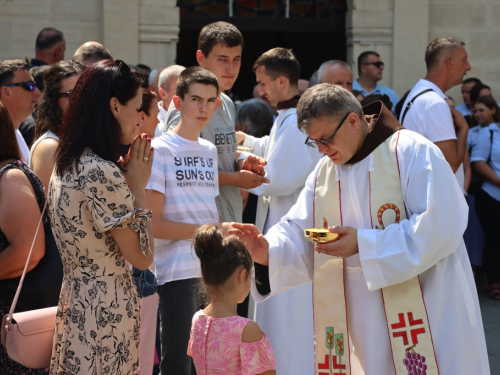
x=336 y=72
x=91 y=52
x=49 y=47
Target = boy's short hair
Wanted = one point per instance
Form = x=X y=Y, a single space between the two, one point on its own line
x=280 y=62
x=195 y=74
x=220 y=32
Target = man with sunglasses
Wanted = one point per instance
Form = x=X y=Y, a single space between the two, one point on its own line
x=396 y=280
x=19 y=94
x=370 y=68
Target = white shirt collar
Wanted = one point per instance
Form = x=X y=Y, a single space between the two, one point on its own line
x=431 y=85
x=163 y=112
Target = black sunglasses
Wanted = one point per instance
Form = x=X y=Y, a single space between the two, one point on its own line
x=326 y=142
x=28 y=86
x=66 y=94
x=378 y=64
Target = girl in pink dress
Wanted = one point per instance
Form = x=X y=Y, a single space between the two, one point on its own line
x=221 y=341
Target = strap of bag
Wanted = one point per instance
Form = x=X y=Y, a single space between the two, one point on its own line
x=410 y=104
x=16 y=297
x=491 y=147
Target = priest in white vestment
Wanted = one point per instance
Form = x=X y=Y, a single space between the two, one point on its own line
x=427 y=243
x=285 y=146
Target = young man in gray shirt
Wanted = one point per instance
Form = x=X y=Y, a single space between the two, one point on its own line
x=219 y=50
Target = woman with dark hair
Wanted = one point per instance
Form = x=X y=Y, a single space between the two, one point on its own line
x=59 y=80
x=485 y=112
x=149 y=113
x=479 y=90
x=485 y=159
x=21 y=202
x=97 y=202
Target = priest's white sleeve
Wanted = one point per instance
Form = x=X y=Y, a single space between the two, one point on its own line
x=437 y=218
x=258 y=144
x=290 y=254
x=289 y=161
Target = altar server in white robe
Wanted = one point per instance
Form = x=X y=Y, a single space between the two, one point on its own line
x=427 y=243
x=277 y=72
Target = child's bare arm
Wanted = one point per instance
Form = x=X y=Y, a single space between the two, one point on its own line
x=164 y=228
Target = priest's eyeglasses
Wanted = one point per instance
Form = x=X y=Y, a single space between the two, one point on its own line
x=326 y=142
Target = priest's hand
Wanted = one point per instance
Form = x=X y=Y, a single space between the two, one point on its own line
x=254 y=241
x=253 y=164
x=346 y=246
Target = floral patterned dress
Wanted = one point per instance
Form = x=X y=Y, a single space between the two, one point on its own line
x=216 y=347
x=98 y=318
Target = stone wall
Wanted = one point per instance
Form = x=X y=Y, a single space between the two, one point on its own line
x=400 y=30
x=146 y=31
x=137 y=31
x=476 y=22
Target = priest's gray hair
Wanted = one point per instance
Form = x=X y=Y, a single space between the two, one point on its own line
x=326 y=100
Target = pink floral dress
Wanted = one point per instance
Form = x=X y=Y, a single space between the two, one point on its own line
x=216 y=347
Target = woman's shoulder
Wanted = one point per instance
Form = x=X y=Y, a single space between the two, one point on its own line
x=91 y=162
x=15 y=175
x=14 y=172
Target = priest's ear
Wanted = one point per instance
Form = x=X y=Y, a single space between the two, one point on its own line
x=353 y=120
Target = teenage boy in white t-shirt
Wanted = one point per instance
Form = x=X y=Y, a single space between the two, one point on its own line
x=220 y=46
x=181 y=192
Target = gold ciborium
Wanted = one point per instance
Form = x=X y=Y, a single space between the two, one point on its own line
x=321 y=235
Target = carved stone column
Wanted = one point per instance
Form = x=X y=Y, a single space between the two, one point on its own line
x=370 y=26
x=121 y=29
x=398 y=30
x=158 y=32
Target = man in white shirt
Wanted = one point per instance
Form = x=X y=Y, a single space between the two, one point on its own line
x=19 y=94
x=466 y=107
x=336 y=72
x=167 y=84
x=277 y=72
x=373 y=164
x=429 y=114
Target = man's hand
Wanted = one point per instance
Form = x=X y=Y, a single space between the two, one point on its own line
x=249 y=180
x=254 y=241
x=346 y=246
x=459 y=121
x=253 y=164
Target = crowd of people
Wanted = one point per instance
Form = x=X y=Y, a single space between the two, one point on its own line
x=168 y=203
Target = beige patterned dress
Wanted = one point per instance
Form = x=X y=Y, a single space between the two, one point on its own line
x=98 y=321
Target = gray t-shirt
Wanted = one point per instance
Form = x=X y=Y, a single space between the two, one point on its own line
x=219 y=131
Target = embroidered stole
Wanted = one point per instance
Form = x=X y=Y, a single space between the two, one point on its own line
x=406 y=315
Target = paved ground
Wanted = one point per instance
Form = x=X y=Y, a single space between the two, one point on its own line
x=490 y=310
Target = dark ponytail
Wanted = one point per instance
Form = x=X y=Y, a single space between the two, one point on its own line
x=220 y=257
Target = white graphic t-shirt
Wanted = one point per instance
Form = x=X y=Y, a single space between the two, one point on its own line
x=186 y=173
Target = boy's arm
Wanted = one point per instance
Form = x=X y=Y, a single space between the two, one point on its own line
x=164 y=228
x=243 y=179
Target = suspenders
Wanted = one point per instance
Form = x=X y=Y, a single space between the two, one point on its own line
x=410 y=103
